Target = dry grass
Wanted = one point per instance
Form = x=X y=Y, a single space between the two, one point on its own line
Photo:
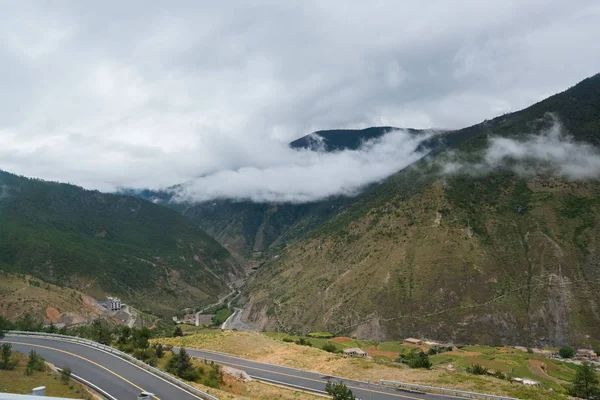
x=259 y=347
x=16 y=381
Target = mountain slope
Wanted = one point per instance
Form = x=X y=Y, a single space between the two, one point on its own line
x=102 y=243
x=484 y=258
x=340 y=139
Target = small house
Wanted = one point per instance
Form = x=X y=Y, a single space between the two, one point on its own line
x=113 y=303
x=414 y=341
x=586 y=354
x=355 y=352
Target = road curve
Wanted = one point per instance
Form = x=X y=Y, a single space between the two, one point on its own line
x=124 y=380
x=309 y=380
x=112 y=374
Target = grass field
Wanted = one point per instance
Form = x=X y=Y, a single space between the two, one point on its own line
x=16 y=381
x=448 y=368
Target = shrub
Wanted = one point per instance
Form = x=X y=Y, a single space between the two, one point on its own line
x=159 y=349
x=415 y=359
x=477 y=369
x=585 y=384
x=178 y=332
x=339 y=391
x=215 y=377
x=303 y=342
x=6 y=363
x=330 y=347
x=529 y=350
x=288 y=340
x=35 y=363
x=181 y=365
x=566 y=352
x=65 y=375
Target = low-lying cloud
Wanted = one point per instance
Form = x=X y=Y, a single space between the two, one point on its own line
x=551 y=151
x=299 y=176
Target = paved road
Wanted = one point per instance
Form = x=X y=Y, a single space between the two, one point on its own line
x=235 y=321
x=116 y=376
x=125 y=381
x=310 y=380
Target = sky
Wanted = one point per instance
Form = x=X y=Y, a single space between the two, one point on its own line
x=142 y=94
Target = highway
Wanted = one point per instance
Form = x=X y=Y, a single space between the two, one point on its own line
x=311 y=381
x=123 y=380
x=117 y=377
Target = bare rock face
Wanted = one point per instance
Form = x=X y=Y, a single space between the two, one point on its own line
x=236 y=374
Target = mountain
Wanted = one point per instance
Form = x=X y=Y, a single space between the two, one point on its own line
x=340 y=139
x=486 y=257
x=152 y=257
x=248 y=228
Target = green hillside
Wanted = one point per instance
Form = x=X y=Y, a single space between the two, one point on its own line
x=151 y=256
x=490 y=258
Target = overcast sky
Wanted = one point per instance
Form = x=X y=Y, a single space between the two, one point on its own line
x=151 y=93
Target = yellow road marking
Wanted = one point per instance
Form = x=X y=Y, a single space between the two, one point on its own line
x=310 y=379
x=83 y=358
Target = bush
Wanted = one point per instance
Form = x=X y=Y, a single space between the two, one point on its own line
x=215 y=377
x=529 y=350
x=65 y=375
x=585 y=384
x=178 y=332
x=566 y=352
x=339 y=391
x=477 y=369
x=288 y=340
x=159 y=349
x=181 y=365
x=415 y=359
x=303 y=342
x=330 y=347
x=6 y=363
x=35 y=363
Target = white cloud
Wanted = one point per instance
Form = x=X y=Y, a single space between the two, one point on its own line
x=551 y=151
x=140 y=94
x=298 y=176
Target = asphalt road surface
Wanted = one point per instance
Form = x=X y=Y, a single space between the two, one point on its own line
x=124 y=380
x=311 y=381
x=120 y=379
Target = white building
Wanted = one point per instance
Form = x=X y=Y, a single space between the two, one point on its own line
x=113 y=303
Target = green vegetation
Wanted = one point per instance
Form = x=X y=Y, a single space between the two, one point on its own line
x=7 y=363
x=65 y=375
x=566 y=352
x=321 y=335
x=35 y=363
x=477 y=369
x=585 y=385
x=303 y=342
x=475 y=255
x=339 y=391
x=416 y=358
x=331 y=348
x=150 y=256
x=17 y=381
x=221 y=316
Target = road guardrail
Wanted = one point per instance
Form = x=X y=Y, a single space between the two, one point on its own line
x=450 y=392
x=128 y=357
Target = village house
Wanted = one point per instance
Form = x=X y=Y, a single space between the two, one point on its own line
x=414 y=341
x=355 y=352
x=113 y=303
x=585 y=354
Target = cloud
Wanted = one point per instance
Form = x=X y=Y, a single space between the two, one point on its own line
x=299 y=176
x=150 y=94
x=551 y=151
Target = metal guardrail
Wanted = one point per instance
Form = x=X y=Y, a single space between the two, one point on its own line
x=450 y=392
x=125 y=356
